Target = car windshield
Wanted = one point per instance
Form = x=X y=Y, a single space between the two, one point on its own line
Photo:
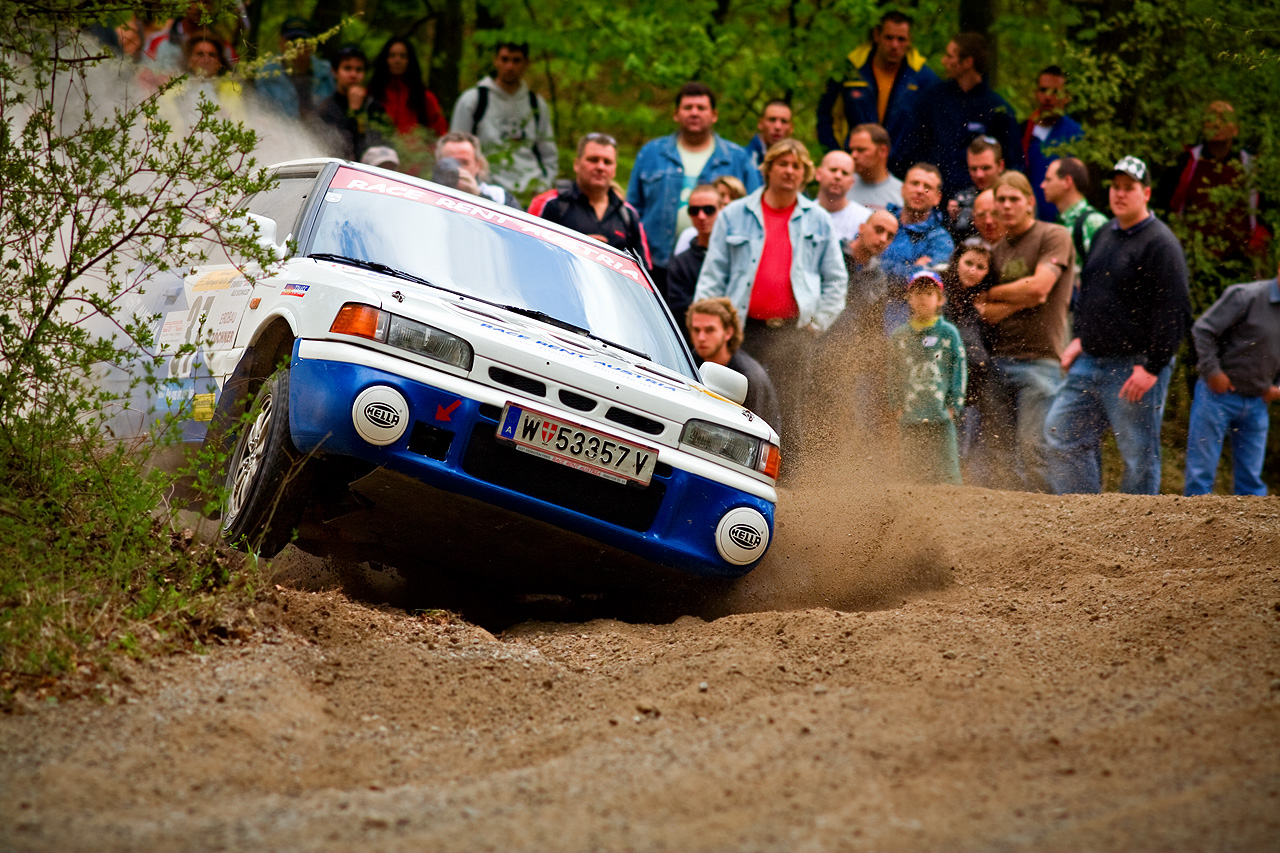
x=504 y=260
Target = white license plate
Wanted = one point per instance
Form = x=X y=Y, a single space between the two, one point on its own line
x=552 y=437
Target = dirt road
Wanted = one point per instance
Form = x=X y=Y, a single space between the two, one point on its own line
x=915 y=669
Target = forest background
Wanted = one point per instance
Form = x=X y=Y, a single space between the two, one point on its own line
x=1140 y=74
x=93 y=189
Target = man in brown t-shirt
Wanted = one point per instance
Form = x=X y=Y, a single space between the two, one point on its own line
x=1028 y=315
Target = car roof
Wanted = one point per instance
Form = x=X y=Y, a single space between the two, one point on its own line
x=479 y=201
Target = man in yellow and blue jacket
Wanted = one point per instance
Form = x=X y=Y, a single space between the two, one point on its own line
x=884 y=77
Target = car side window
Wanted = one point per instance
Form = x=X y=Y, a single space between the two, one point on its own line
x=284 y=203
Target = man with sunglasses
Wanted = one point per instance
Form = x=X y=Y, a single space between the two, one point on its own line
x=590 y=204
x=682 y=274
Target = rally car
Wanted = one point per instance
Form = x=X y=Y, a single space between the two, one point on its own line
x=425 y=355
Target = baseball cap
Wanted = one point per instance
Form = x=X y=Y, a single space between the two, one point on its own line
x=924 y=278
x=1134 y=168
x=295 y=28
x=380 y=155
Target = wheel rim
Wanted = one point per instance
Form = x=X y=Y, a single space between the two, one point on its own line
x=249 y=461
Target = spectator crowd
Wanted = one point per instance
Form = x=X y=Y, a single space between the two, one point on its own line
x=948 y=288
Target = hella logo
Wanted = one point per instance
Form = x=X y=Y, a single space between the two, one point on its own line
x=745 y=536
x=380 y=414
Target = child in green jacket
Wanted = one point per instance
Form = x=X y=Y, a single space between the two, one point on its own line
x=926 y=385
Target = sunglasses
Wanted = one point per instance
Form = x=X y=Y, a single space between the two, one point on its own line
x=601 y=139
x=702 y=210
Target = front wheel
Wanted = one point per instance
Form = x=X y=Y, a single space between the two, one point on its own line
x=267 y=477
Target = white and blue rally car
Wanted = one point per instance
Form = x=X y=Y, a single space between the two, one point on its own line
x=422 y=354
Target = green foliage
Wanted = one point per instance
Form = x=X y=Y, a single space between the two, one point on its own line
x=94 y=196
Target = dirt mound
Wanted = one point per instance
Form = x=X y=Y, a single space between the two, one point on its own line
x=912 y=668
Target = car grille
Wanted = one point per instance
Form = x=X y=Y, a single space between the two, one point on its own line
x=527 y=384
x=627 y=506
x=631 y=419
x=577 y=401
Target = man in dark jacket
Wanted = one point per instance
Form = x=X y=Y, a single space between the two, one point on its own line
x=590 y=204
x=884 y=79
x=682 y=274
x=346 y=111
x=1133 y=312
x=952 y=114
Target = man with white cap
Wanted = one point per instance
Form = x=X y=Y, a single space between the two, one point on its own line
x=1133 y=312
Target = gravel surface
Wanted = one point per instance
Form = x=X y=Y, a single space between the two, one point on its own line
x=917 y=668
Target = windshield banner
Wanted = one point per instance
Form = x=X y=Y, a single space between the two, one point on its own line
x=586 y=248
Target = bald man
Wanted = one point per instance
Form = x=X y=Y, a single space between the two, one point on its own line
x=854 y=352
x=835 y=177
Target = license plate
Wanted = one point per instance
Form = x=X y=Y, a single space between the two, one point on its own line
x=576 y=446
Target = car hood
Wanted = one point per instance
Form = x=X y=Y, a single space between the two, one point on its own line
x=562 y=357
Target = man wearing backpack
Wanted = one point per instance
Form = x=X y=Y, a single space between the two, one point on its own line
x=1066 y=180
x=590 y=204
x=512 y=122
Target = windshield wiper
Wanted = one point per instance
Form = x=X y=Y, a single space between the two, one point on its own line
x=373 y=266
x=571 y=327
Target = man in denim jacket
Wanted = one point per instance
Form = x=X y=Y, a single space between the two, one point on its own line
x=667 y=169
x=776 y=256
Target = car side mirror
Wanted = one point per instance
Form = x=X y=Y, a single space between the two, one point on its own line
x=724 y=381
x=267 y=236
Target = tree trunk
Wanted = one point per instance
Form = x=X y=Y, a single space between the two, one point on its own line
x=977 y=16
x=446 y=55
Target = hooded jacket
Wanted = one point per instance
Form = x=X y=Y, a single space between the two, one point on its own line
x=519 y=145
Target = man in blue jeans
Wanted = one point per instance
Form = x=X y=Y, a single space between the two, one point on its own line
x=1133 y=310
x=1238 y=341
x=1027 y=313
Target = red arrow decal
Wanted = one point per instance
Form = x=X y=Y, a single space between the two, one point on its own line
x=443 y=412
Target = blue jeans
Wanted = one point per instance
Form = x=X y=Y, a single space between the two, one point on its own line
x=1212 y=415
x=1088 y=403
x=1013 y=404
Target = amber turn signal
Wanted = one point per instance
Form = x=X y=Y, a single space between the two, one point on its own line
x=362 y=321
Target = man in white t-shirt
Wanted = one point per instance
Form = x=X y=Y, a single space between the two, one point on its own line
x=835 y=176
x=669 y=167
x=873 y=186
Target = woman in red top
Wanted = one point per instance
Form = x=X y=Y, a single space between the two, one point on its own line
x=398 y=92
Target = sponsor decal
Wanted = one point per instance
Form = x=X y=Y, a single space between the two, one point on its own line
x=745 y=536
x=218 y=280
x=594 y=361
x=380 y=414
x=295 y=290
x=586 y=248
x=202 y=407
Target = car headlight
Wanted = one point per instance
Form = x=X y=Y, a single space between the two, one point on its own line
x=738 y=447
x=365 y=321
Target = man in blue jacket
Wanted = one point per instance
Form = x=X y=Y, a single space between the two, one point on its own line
x=775 y=255
x=964 y=106
x=884 y=78
x=921 y=242
x=667 y=169
x=1047 y=128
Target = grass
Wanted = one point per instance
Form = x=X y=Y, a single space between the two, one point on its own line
x=91 y=569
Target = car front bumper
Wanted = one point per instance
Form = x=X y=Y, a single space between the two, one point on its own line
x=449 y=443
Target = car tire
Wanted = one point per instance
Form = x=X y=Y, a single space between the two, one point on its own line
x=267 y=477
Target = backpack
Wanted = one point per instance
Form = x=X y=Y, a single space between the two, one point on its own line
x=482 y=105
